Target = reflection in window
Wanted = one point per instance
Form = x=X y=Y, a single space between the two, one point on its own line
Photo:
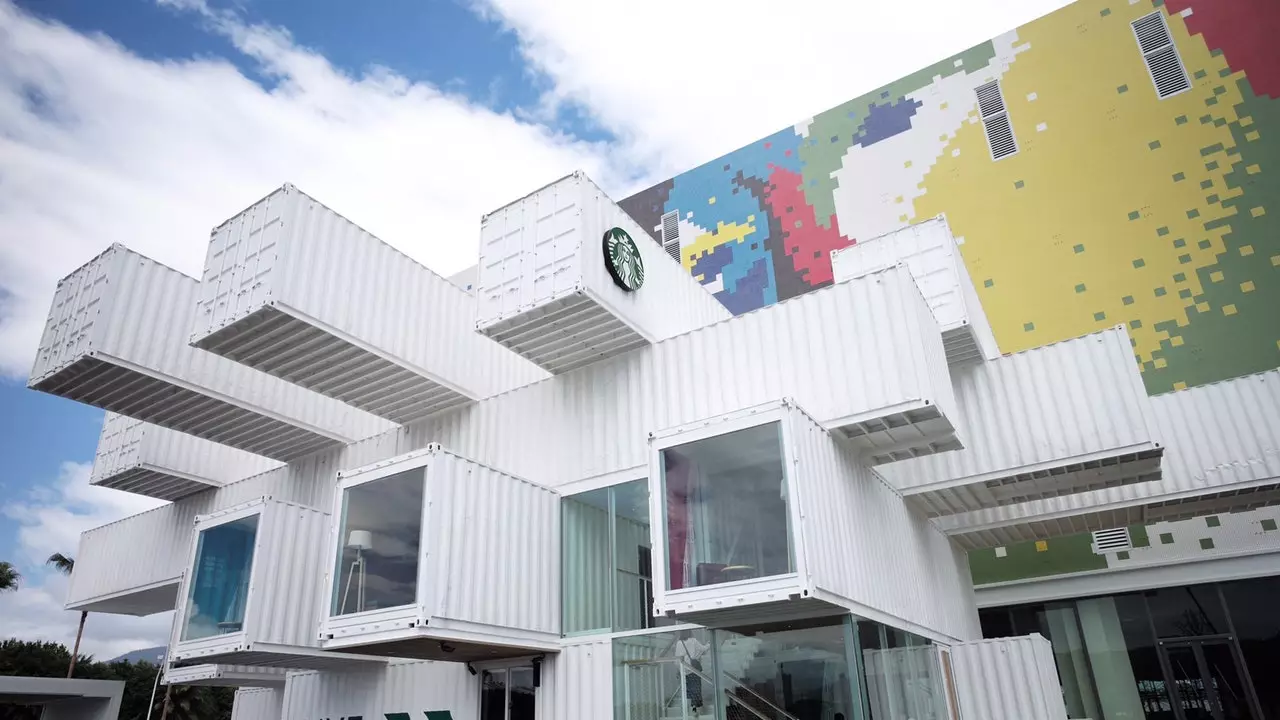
x=903 y=676
x=380 y=532
x=607 y=570
x=220 y=582
x=726 y=507
x=797 y=669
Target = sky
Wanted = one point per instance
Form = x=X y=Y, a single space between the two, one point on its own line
x=148 y=122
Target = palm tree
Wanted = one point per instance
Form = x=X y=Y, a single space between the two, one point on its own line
x=65 y=565
x=9 y=577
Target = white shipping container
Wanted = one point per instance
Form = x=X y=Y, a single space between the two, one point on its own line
x=1222 y=453
x=258 y=704
x=1008 y=679
x=1068 y=417
x=294 y=289
x=274 y=618
x=157 y=541
x=544 y=287
x=931 y=253
x=488 y=570
x=116 y=339
x=412 y=688
x=849 y=353
x=213 y=675
x=847 y=532
x=138 y=457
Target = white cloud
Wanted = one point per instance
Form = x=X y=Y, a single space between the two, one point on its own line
x=688 y=81
x=98 y=146
x=50 y=519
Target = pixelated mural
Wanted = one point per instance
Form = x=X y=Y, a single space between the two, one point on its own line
x=1118 y=206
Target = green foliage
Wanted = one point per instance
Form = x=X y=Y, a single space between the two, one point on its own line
x=9 y=577
x=49 y=659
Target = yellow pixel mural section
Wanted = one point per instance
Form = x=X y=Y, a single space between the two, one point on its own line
x=1118 y=199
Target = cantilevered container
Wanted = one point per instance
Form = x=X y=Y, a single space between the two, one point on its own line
x=299 y=292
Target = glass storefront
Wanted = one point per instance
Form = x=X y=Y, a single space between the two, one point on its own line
x=607 y=566
x=829 y=668
x=379 y=538
x=1198 y=652
x=726 y=509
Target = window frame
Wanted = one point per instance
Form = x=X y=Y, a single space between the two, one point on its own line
x=209 y=522
x=782 y=585
x=394 y=615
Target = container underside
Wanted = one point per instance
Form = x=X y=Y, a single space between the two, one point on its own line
x=101 y=382
x=908 y=430
x=565 y=334
x=421 y=647
x=312 y=356
x=160 y=597
x=1125 y=466
x=213 y=675
x=283 y=656
x=1227 y=501
x=793 y=609
x=154 y=483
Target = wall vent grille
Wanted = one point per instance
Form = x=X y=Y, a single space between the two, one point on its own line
x=995 y=120
x=671 y=234
x=1168 y=74
x=1113 y=540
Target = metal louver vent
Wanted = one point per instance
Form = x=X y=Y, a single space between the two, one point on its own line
x=1168 y=74
x=1113 y=540
x=995 y=120
x=671 y=234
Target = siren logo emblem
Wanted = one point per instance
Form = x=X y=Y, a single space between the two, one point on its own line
x=622 y=257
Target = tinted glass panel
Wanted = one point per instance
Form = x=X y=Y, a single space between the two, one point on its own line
x=587 y=562
x=220 y=583
x=1187 y=611
x=1257 y=626
x=726 y=507
x=381 y=529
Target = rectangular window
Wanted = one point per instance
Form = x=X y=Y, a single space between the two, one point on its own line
x=378 y=544
x=726 y=509
x=607 y=573
x=220 y=579
x=1168 y=74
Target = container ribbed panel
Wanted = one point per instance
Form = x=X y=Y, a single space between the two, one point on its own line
x=1008 y=679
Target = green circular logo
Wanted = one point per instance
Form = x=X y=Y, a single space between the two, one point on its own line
x=622 y=257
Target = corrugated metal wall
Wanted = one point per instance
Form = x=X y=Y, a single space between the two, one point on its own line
x=492 y=531
x=291 y=249
x=289 y=578
x=863 y=543
x=1214 y=435
x=258 y=704
x=400 y=687
x=577 y=683
x=157 y=541
x=835 y=350
x=1008 y=679
x=1052 y=403
x=131 y=308
x=126 y=443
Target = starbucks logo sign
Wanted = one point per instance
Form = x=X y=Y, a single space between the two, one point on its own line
x=622 y=257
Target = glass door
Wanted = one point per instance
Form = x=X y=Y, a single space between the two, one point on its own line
x=1208 y=680
x=508 y=694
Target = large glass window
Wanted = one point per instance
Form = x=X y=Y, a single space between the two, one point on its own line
x=903 y=676
x=379 y=537
x=607 y=568
x=796 y=669
x=220 y=580
x=726 y=508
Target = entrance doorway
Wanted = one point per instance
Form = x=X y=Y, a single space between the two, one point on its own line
x=507 y=694
x=1208 y=679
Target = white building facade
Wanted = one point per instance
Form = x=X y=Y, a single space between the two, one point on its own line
x=543 y=497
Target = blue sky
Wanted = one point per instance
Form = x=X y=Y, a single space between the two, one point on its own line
x=147 y=122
